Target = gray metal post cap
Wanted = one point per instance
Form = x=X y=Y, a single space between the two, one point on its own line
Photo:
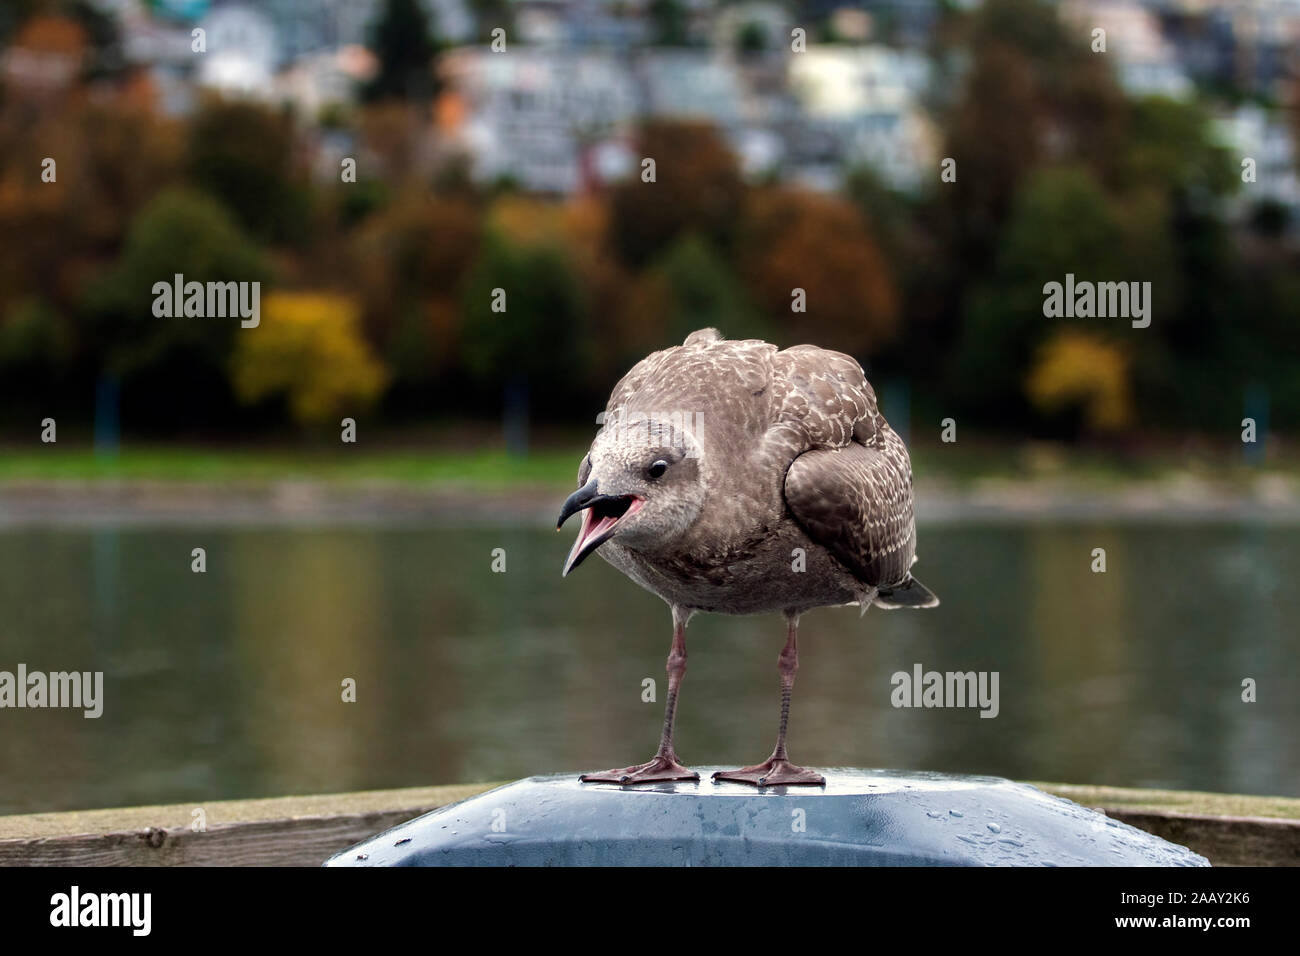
x=859 y=818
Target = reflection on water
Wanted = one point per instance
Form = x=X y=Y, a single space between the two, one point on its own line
x=228 y=684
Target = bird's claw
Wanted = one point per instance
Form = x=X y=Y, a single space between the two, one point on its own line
x=663 y=767
x=773 y=772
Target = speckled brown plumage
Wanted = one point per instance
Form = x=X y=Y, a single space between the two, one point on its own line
x=794 y=454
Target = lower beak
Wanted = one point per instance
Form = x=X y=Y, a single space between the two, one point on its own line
x=600 y=517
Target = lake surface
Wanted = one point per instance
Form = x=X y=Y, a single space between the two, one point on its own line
x=228 y=684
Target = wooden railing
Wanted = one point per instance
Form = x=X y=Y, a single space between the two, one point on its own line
x=1227 y=829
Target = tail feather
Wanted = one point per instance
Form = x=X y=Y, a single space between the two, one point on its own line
x=911 y=593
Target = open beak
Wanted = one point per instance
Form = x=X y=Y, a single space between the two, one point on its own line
x=600 y=517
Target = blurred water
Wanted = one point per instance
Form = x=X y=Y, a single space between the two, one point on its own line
x=227 y=684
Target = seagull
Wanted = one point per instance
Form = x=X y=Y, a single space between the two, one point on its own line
x=735 y=478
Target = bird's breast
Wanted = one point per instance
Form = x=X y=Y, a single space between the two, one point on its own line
x=777 y=569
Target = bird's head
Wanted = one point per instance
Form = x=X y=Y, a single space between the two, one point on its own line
x=639 y=484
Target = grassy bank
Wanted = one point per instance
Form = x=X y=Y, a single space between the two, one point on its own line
x=959 y=464
x=201 y=464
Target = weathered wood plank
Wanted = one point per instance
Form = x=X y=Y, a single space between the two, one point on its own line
x=1228 y=829
x=282 y=831
x=1194 y=802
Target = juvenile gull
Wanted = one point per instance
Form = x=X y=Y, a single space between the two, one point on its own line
x=736 y=478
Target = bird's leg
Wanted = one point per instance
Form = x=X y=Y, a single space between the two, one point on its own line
x=664 y=765
x=777 y=771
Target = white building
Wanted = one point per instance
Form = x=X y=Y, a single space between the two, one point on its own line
x=1252 y=132
x=862 y=103
x=1146 y=63
x=241 y=51
x=539 y=114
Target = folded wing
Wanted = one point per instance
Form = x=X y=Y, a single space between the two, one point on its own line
x=856 y=501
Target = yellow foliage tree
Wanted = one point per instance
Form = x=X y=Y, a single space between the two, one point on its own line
x=1074 y=369
x=308 y=346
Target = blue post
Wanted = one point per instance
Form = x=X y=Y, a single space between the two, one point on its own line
x=896 y=405
x=108 y=430
x=515 y=417
x=1255 y=405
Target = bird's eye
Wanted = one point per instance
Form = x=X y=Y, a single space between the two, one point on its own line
x=658 y=468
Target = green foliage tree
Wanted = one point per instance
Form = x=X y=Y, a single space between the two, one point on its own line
x=161 y=359
x=532 y=349
x=37 y=350
x=668 y=22
x=404 y=44
x=243 y=155
x=1062 y=223
x=699 y=289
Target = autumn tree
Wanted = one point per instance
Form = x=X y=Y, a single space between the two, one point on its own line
x=411 y=261
x=821 y=245
x=696 y=188
x=309 y=349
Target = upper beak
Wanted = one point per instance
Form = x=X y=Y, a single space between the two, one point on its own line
x=584 y=497
x=596 y=529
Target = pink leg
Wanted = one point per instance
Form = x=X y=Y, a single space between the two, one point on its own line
x=664 y=765
x=777 y=771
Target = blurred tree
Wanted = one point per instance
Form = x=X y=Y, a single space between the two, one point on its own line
x=616 y=335
x=1078 y=372
x=243 y=154
x=309 y=348
x=161 y=359
x=403 y=43
x=397 y=138
x=59 y=41
x=1173 y=165
x=690 y=287
x=411 y=261
x=1062 y=223
x=127 y=155
x=1034 y=94
x=105 y=58
x=1170 y=146
x=45 y=21
x=37 y=352
x=34 y=336
x=524 y=329
x=491 y=14
x=697 y=189
x=885 y=208
x=820 y=244
x=12 y=15
x=668 y=23
x=112 y=156
x=751 y=38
